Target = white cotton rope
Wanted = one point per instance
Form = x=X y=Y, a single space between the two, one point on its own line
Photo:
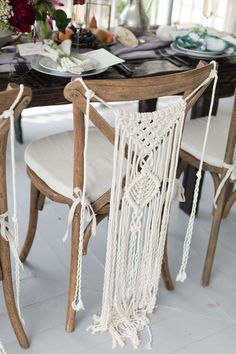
x=89 y=213
x=181 y=276
x=2 y=350
x=230 y=174
x=137 y=232
x=139 y=215
x=12 y=236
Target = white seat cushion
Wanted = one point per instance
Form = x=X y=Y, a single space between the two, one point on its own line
x=51 y=158
x=193 y=137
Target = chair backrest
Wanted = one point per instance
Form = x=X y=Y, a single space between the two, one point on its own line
x=115 y=90
x=231 y=141
x=7 y=97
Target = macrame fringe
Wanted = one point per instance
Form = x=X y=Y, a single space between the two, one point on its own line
x=122 y=328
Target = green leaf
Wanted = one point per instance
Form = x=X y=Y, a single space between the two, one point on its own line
x=61 y=20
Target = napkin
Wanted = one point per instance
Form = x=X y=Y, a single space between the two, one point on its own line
x=201 y=40
x=169 y=33
x=61 y=54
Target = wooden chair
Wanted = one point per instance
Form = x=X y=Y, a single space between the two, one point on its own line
x=7 y=97
x=220 y=153
x=56 y=178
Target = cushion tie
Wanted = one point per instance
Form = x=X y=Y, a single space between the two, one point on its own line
x=7 y=113
x=89 y=212
x=231 y=174
x=181 y=276
x=89 y=94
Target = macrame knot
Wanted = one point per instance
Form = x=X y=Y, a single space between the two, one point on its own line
x=7 y=113
x=77 y=306
x=89 y=94
x=230 y=174
x=181 y=276
x=89 y=212
x=213 y=74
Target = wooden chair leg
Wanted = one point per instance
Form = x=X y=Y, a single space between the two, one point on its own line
x=70 y=320
x=9 y=294
x=36 y=203
x=216 y=220
x=166 y=270
x=88 y=232
x=229 y=203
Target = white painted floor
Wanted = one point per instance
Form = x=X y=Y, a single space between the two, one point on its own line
x=188 y=320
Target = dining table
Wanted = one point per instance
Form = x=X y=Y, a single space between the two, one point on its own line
x=48 y=90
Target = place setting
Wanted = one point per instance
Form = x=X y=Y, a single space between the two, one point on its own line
x=60 y=60
x=201 y=45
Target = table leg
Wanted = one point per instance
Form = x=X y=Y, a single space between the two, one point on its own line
x=18 y=130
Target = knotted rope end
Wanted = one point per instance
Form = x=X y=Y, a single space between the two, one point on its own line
x=181 y=276
x=78 y=306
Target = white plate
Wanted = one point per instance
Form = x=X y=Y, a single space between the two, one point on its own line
x=199 y=52
x=50 y=64
x=36 y=66
x=199 y=55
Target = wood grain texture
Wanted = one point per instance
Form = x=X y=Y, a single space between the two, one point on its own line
x=7 y=97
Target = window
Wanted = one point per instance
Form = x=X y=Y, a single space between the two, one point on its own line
x=184 y=11
x=224 y=18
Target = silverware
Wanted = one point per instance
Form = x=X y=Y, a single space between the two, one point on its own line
x=168 y=57
x=173 y=58
x=123 y=69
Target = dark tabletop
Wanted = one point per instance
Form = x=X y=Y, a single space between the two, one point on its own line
x=48 y=90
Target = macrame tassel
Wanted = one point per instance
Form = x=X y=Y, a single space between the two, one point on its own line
x=182 y=275
x=86 y=209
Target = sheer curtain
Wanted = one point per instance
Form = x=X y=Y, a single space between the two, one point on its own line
x=224 y=19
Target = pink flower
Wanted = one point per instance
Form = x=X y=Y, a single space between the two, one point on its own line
x=24 y=15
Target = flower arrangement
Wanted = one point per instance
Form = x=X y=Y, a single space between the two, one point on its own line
x=20 y=16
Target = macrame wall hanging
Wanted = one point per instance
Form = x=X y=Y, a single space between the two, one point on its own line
x=139 y=214
x=147 y=149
